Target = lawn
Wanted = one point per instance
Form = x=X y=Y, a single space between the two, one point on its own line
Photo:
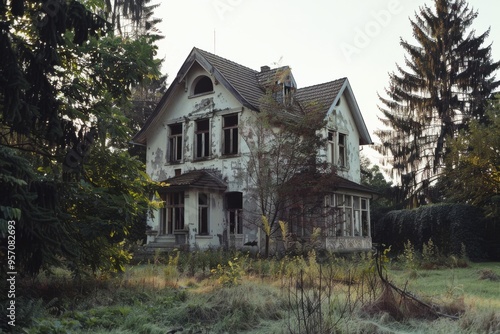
x=218 y=293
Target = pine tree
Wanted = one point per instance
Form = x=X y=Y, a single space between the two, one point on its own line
x=447 y=78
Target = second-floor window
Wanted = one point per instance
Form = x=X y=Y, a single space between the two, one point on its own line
x=337 y=148
x=175 y=142
x=230 y=135
x=202 y=144
x=331 y=147
x=342 y=150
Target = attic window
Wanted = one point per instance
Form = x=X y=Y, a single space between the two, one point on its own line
x=202 y=85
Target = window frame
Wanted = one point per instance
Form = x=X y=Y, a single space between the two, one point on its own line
x=203 y=214
x=203 y=137
x=342 y=150
x=175 y=141
x=204 y=91
x=172 y=217
x=232 y=131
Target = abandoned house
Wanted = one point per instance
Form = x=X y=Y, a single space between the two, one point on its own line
x=195 y=146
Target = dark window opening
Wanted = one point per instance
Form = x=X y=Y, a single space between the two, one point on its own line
x=203 y=214
x=234 y=204
x=235 y=222
x=175 y=142
x=342 y=150
x=172 y=215
x=234 y=200
x=230 y=133
x=204 y=85
x=202 y=139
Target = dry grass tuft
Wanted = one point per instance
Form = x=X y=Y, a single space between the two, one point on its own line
x=488 y=274
x=401 y=307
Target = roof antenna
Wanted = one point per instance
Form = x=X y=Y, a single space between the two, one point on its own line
x=214 y=43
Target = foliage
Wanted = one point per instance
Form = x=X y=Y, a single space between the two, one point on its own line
x=284 y=163
x=473 y=175
x=450 y=226
x=65 y=80
x=341 y=288
x=387 y=196
x=448 y=77
x=230 y=274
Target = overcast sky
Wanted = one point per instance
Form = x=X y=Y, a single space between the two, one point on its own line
x=321 y=40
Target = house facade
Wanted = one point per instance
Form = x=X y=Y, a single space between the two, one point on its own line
x=196 y=149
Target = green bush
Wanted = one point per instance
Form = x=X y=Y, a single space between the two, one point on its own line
x=448 y=225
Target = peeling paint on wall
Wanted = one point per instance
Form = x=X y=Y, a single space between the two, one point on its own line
x=204 y=105
x=158 y=160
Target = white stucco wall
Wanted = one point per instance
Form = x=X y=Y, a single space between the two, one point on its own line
x=340 y=119
x=185 y=108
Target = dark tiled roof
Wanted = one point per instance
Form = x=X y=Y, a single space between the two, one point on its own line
x=249 y=87
x=195 y=179
x=243 y=79
x=323 y=94
x=342 y=183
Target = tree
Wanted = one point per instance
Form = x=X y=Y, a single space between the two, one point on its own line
x=447 y=80
x=65 y=79
x=473 y=176
x=386 y=196
x=284 y=164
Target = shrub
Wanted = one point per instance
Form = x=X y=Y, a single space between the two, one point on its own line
x=448 y=225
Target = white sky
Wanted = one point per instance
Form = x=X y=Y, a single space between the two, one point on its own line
x=321 y=40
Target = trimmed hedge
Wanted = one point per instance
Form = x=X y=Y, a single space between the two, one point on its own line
x=449 y=226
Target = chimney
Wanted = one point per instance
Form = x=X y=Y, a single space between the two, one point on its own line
x=264 y=68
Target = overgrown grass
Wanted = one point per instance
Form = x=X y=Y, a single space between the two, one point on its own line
x=230 y=292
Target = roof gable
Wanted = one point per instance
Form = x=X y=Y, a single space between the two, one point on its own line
x=249 y=86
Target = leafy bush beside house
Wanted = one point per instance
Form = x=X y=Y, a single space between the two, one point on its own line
x=448 y=225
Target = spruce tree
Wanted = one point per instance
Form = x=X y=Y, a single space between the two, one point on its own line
x=447 y=78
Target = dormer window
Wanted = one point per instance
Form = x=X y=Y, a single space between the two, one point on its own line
x=203 y=85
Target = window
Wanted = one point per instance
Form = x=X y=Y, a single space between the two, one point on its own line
x=342 y=150
x=175 y=143
x=203 y=85
x=172 y=215
x=235 y=222
x=365 y=217
x=230 y=135
x=331 y=147
x=202 y=144
x=234 y=205
x=337 y=148
x=203 y=206
x=350 y=217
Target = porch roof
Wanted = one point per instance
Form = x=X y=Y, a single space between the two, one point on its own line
x=342 y=183
x=201 y=179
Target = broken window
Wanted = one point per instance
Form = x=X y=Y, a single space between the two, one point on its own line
x=203 y=221
x=203 y=85
x=352 y=216
x=175 y=142
x=202 y=149
x=230 y=135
